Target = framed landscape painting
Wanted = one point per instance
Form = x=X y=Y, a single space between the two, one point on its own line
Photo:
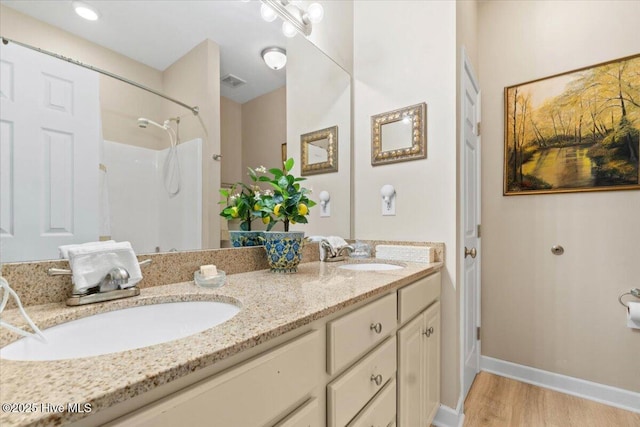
x=576 y=131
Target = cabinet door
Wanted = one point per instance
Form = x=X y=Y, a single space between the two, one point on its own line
x=308 y=415
x=411 y=368
x=432 y=362
x=249 y=395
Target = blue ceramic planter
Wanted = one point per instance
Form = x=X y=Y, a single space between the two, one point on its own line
x=284 y=250
x=240 y=238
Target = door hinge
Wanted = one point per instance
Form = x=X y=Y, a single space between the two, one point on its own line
x=478 y=129
x=479 y=231
x=478 y=333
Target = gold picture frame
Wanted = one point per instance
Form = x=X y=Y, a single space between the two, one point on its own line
x=319 y=151
x=574 y=132
x=399 y=135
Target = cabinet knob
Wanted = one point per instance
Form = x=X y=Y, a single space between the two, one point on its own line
x=376 y=379
x=377 y=327
x=428 y=332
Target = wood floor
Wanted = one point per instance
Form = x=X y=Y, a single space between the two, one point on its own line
x=495 y=401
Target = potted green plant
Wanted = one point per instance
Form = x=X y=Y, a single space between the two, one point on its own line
x=242 y=203
x=287 y=202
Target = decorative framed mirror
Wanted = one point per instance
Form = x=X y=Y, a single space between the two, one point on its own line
x=319 y=151
x=399 y=135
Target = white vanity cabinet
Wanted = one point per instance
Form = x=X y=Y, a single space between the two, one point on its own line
x=259 y=391
x=409 y=323
x=374 y=364
x=419 y=355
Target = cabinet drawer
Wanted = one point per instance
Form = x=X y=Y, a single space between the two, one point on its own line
x=252 y=394
x=347 y=395
x=308 y=415
x=381 y=411
x=416 y=297
x=354 y=334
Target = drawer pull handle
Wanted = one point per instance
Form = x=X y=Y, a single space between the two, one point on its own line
x=428 y=332
x=376 y=379
x=377 y=327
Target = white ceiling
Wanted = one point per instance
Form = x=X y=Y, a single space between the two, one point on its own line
x=158 y=32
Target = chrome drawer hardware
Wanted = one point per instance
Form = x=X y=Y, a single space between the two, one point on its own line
x=377 y=327
x=429 y=332
x=376 y=379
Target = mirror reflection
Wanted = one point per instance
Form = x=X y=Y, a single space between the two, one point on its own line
x=319 y=151
x=145 y=170
x=397 y=135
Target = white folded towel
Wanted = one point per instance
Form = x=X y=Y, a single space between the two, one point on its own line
x=90 y=264
x=64 y=249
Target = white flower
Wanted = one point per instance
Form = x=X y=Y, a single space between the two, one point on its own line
x=268 y=192
x=261 y=169
x=233 y=197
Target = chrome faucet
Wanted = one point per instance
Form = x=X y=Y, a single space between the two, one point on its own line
x=107 y=289
x=330 y=254
x=116 y=277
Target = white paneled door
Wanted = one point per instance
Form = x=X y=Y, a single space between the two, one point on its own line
x=49 y=148
x=470 y=118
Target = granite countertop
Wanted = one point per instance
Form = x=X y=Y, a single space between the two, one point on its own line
x=272 y=305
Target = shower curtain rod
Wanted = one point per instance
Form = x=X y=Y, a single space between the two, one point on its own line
x=195 y=110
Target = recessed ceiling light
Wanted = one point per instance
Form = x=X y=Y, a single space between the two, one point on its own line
x=84 y=10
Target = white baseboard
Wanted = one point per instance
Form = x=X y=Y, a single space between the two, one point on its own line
x=620 y=398
x=448 y=417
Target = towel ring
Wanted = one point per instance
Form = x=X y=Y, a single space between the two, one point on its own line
x=634 y=292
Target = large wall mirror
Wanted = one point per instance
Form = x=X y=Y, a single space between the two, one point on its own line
x=206 y=54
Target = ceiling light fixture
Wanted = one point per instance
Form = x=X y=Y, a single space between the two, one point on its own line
x=274 y=57
x=86 y=11
x=295 y=18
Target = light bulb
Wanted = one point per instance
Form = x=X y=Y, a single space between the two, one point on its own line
x=315 y=12
x=85 y=11
x=324 y=198
x=267 y=13
x=288 y=29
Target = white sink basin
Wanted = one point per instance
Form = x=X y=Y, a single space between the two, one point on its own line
x=121 y=330
x=371 y=266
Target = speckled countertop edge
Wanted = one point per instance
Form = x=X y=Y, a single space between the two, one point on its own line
x=271 y=306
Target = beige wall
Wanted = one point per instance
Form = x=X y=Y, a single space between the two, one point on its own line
x=318 y=97
x=231 y=140
x=195 y=80
x=334 y=34
x=121 y=104
x=399 y=62
x=264 y=130
x=557 y=313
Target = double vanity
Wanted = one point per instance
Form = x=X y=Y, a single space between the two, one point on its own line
x=336 y=344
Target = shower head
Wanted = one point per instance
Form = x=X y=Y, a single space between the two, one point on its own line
x=143 y=123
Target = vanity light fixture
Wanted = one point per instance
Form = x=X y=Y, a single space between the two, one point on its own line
x=295 y=18
x=86 y=11
x=325 y=205
x=274 y=57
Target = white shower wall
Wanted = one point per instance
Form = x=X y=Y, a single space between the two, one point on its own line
x=140 y=208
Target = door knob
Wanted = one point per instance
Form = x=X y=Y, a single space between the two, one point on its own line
x=471 y=252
